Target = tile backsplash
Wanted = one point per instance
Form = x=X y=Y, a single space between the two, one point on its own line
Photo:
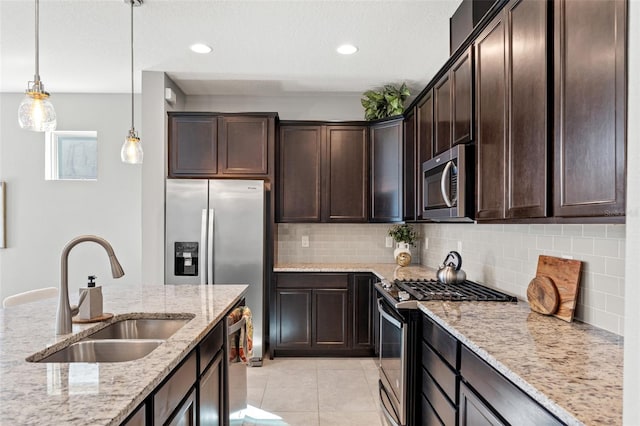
x=336 y=243
x=506 y=257
x=503 y=256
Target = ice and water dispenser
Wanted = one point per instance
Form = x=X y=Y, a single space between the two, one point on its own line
x=186 y=258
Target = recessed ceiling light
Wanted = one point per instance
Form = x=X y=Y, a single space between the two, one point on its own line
x=347 y=49
x=201 y=48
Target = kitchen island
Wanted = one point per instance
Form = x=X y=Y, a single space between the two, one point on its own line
x=574 y=370
x=99 y=393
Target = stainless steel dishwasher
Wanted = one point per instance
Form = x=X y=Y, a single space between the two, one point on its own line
x=237 y=371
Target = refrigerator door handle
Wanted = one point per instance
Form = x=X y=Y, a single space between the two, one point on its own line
x=203 y=242
x=210 y=247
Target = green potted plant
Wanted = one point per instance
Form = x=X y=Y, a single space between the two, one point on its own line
x=404 y=235
x=384 y=103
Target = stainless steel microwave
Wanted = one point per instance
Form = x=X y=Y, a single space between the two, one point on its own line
x=448 y=185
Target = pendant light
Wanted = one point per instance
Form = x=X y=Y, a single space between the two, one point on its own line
x=131 y=151
x=36 y=111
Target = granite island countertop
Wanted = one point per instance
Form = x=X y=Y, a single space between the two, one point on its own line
x=98 y=393
x=575 y=370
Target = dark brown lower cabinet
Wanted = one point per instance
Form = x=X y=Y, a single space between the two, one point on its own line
x=138 y=418
x=186 y=412
x=474 y=412
x=212 y=393
x=323 y=314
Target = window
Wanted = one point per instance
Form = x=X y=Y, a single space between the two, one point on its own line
x=71 y=155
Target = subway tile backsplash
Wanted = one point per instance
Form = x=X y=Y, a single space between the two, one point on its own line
x=503 y=256
x=506 y=257
x=336 y=243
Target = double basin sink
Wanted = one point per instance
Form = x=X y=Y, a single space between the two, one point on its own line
x=120 y=341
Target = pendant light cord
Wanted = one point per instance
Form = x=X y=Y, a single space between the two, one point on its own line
x=36 y=77
x=132 y=121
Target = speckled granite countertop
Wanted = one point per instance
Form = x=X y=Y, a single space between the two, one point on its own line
x=98 y=393
x=573 y=369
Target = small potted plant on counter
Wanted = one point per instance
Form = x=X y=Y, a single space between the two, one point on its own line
x=405 y=236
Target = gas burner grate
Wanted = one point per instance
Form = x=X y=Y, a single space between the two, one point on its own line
x=465 y=291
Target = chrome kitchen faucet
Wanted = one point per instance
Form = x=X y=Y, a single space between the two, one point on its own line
x=65 y=311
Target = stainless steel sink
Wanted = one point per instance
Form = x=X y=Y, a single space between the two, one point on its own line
x=104 y=351
x=120 y=341
x=156 y=328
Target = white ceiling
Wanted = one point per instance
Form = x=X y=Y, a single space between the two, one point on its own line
x=260 y=47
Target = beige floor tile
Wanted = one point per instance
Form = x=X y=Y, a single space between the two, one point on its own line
x=293 y=391
x=289 y=363
x=298 y=418
x=255 y=395
x=344 y=390
x=350 y=419
x=339 y=363
x=370 y=363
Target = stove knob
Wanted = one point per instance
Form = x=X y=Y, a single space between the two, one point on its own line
x=385 y=284
x=403 y=295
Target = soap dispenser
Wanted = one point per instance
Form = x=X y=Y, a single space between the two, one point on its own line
x=91 y=306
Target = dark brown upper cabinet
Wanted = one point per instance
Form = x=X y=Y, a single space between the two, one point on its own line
x=193 y=145
x=210 y=145
x=386 y=171
x=323 y=173
x=409 y=151
x=511 y=107
x=299 y=168
x=590 y=108
x=453 y=94
x=424 y=143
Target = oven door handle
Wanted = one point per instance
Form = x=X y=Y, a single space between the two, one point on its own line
x=444 y=181
x=385 y=410
x=386 y=315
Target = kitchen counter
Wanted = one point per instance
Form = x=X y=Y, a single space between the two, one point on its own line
x=98 y=393
x=573 y=369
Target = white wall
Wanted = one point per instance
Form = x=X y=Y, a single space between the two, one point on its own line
x=42 y=216
x=631 y=408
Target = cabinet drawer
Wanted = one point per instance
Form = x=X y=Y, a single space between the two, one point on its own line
x=442 y=406
x=210 y=346
x=312 y=280
x=427 y=416
x=444 y=344
x=169 y=395
x=439 y=371
x=507 y=400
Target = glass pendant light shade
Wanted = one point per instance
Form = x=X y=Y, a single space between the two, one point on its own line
x=131 y=152
x=36 y=112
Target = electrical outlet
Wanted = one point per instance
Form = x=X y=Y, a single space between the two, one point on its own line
x=459 y=246
x=305 y=241
x=426 y=243
x=388 y=242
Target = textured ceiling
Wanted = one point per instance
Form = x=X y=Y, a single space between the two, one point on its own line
x=259 y=47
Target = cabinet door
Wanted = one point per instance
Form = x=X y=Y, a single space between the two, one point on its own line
x=590 y=108
x=138 y=418
x=491 y=120
x=331 y=318
x=210 y=407
x=186 y=412
x=442 y=114
x=363 y=295
x=462 y=86
x=473 y=412
x=345 y=174
x=527 y=130
x=193 y=146
x=168 y=398
x=293 y=322
x=244 y=145
x=386 y=172
x=299 y=173
x=424 y=141
x=410 y=167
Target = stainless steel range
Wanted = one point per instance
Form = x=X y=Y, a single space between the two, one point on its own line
x=399 y=330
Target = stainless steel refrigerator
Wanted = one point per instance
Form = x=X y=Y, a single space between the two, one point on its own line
x=215 y=234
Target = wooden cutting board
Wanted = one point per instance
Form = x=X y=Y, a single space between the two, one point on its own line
x=565 y=274
x=543 y=296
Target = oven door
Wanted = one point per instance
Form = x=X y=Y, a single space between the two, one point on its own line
x=393 y=364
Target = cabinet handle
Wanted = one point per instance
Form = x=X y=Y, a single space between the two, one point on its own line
x=444 y=183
